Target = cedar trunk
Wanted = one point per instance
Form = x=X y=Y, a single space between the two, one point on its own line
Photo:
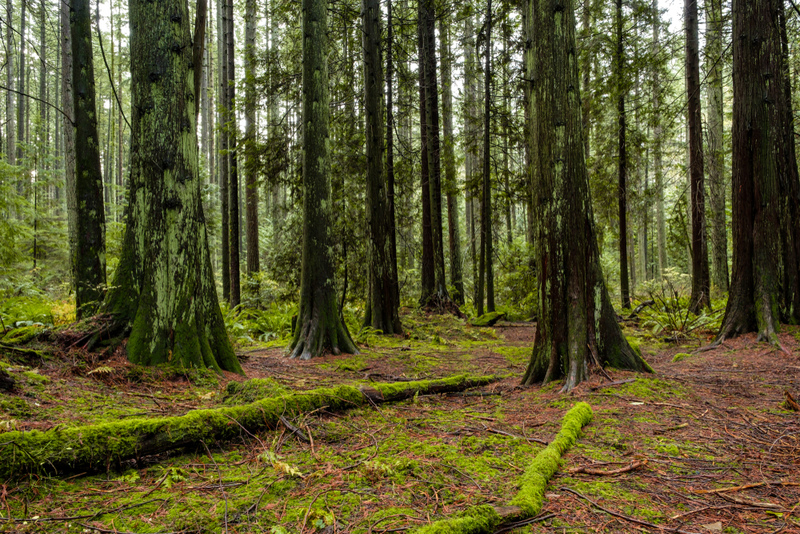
x=319 y=326
x=577 y=325
x=164 y=288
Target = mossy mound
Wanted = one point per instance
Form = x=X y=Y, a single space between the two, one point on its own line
x=680 y=356
x=22 y=335
x=252 y=390
x=488 y=319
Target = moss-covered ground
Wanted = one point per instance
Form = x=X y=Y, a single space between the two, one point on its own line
x=669 y=451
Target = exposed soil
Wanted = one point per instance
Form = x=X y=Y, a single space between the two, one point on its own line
x=706 y=444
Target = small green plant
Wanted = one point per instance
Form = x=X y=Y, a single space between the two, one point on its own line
x=670 y=317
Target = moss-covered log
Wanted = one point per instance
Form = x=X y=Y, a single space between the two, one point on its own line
x=93 y=448
x=528 y=501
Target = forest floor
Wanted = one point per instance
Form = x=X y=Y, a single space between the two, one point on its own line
x=705 y=444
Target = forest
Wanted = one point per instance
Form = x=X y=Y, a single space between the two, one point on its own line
x=429 y=266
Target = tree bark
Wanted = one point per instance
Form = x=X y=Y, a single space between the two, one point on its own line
x=390 y=124
x=251 y=185
x=757 y=87
x=622 y=164
x=449 y=160
x=701 y=285
x=11 y=142
x=427 y=270
x=319 y=326
x=487 y=256
x=68 y=128
x=90 y=264
x=471 y=159
x=658 y=134
x=233 y=157
x=577 y=325
x=382 y=306
x=716 y=145
x=223 y=167
x=164 y=288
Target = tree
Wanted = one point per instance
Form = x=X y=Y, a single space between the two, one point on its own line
x=89 y=260
x=486 y=261
x=577 y=325
x=319 y=326
x=753 y=301
x=231 y=130
x=250 y=183
x=622 y=164
x=224 y=120
x=701 y=294
x=382 y=305
x=164 y=289
x=716 y=153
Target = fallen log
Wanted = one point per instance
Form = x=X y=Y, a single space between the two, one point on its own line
x=485 y=519
x=94 y=448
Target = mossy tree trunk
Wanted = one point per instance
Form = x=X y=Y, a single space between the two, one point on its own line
x=69 y=135
x=234 y=226
x=319 y=326
x=701 y=285
x=577 y=324
x=222 y=168
x=757 y=88
x=427 y=268
x=486 y=261
x=164 y=287
x=90 y=254
x=390 y=125
x=382 y=306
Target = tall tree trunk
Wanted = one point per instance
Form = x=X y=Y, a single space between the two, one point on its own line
x=658 y=134
x=164 y=287
x=319 y=326
x=757 y=86
x=428 y=64
x=224 y=121
x=382 y=306
x=449 y=160
x=428 y=282
x=487 y=255
x=11 y=142
x=472 y=129
x=390 y=124
x=622 y=185
x=701 y=285
x=67 y=120
x=716 y=145
x=21 y=86
x=233 y=175
x=90 y=264
x=251 y=185
x=577 y=326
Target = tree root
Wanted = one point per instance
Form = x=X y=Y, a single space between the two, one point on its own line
x=527 y=504
x=94 y=448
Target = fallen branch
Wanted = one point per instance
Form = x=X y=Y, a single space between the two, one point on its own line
x=790 y=403
x=486 y=519
x=599 y=472
x=732 y=489
x=94 y=448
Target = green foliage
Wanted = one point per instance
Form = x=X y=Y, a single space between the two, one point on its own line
x=251 y=325
x=26 y=311
x=669 y=316
x=515 y=279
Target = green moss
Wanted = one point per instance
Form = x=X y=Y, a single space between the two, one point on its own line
x=16 y=407
x=33 y=377
x=680 y=356
x=487 y=319
x=476 y=520
x=252 y=390
x=21 y=336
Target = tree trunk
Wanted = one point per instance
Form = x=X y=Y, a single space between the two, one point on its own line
x=68 y=128
x=701 y=285
x=658 y=133
x=319 y=326
x=622 y=185
x=90 y=264
x=233 y=175
x=757 y=87
x=164 y=286
x=449 y=160
x=382 y=306
x=224 y=121
x=390 y=181
x=428 y=281
x=251 y=185
x=577 y=325
x=487 y=265
x=716 y=145
x=472 y=129
x=11 y=143
x=22 y=88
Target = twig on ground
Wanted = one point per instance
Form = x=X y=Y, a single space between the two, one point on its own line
x=731 y=489
x=591 y=471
